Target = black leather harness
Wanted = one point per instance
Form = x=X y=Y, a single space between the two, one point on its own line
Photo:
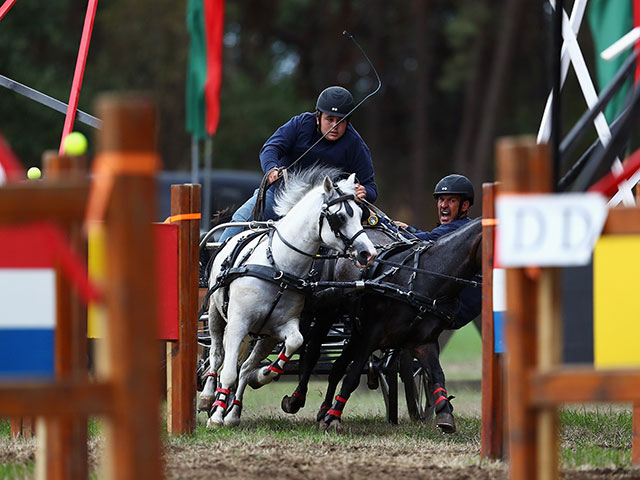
x=233 y=267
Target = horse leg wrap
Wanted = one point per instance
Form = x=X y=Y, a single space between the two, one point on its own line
x=237 y=403
x=221 y=398
x=212 y=375
x=322 y=412
x=442 y=400
x=338 y=407
x=278 y=365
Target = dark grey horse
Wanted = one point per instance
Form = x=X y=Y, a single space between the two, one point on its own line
x=389 y=321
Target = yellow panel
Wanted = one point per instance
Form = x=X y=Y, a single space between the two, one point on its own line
x=616 y=302
x=97 y=314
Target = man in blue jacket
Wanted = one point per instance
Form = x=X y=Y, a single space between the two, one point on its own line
x=323 y=137
x=454 y=195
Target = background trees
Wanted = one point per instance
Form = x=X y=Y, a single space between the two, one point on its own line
x=455 y=75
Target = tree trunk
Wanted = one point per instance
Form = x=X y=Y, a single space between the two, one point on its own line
x=418 y=104
x=505 y=46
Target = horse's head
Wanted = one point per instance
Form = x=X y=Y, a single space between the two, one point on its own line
x=342 y=215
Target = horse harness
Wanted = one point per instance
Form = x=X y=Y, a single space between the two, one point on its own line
x=233 y=268
x=377 y=282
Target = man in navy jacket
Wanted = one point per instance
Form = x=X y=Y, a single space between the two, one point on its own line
x=322 y=137
x=454 y=195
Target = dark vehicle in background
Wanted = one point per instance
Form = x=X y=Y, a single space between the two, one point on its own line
x=229 y=190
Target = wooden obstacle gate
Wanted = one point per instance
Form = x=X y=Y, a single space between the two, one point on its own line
x=536 y=381
x=126 y=390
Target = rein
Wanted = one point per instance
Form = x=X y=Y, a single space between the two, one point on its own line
x=464 y=281
x=272 y=273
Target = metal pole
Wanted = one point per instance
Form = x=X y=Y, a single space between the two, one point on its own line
x=206 y=180
x=556 y=55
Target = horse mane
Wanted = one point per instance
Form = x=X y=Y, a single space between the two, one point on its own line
x=301 y=182
x=462 y=231
x=458 y=232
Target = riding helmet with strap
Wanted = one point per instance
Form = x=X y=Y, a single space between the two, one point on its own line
x=336 y=101
x=455 y=184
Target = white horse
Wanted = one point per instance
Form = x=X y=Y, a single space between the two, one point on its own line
x=258 y=284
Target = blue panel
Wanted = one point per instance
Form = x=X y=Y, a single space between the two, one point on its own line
x=499 y=343
x=26 y=353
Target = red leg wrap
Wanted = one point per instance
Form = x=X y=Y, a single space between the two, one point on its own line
x=335 y=413
x=275 y=369
x=282 y=356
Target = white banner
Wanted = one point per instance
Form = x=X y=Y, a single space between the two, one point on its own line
x=548 y=229
x=27 y=298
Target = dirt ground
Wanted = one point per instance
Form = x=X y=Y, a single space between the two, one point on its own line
x=271 y=445
x=274 y=462
x=295 y=460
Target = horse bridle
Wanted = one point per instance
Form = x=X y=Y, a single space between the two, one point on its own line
x=333 y=219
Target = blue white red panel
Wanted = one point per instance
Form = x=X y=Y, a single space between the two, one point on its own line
x=27 y=322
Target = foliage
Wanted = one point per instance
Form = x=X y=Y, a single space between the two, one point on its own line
x=437 y=61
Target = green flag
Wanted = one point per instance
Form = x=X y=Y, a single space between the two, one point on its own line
x=610 y=20
x=205 y=21
x=196 y=70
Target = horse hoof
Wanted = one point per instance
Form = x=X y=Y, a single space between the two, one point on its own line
x=291 y=404
x=332 y=426
x=205 y=403
x=321 y=414
x=445 y=422
x=213 y=424
x=231 y=421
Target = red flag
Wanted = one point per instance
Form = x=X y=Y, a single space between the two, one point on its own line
x=214 y=31
x=10 y=167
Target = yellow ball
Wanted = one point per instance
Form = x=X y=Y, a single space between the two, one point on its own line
x=74 y=144
x=34 y=173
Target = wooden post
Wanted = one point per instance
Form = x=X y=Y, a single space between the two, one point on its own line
x=523 y=166
x=127 y=146
x=182 y=355
x=64 y=453
x=492 y=434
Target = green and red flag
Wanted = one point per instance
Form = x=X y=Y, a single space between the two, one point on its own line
x=205 y=22
x=609 y=21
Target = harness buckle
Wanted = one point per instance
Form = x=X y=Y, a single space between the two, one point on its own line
x=278 y=275
x=359 y=284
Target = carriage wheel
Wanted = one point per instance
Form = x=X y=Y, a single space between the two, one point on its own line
x=202 y=367
x=423 y=399
x=416 y=388
x=389 y=388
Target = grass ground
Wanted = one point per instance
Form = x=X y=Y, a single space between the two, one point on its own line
x=596 y=439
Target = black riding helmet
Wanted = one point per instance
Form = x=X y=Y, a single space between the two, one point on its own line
x=455 y=185
x=335 y=101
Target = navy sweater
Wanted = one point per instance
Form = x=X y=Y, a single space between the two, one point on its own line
x=349 y=153
x=441 y=230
